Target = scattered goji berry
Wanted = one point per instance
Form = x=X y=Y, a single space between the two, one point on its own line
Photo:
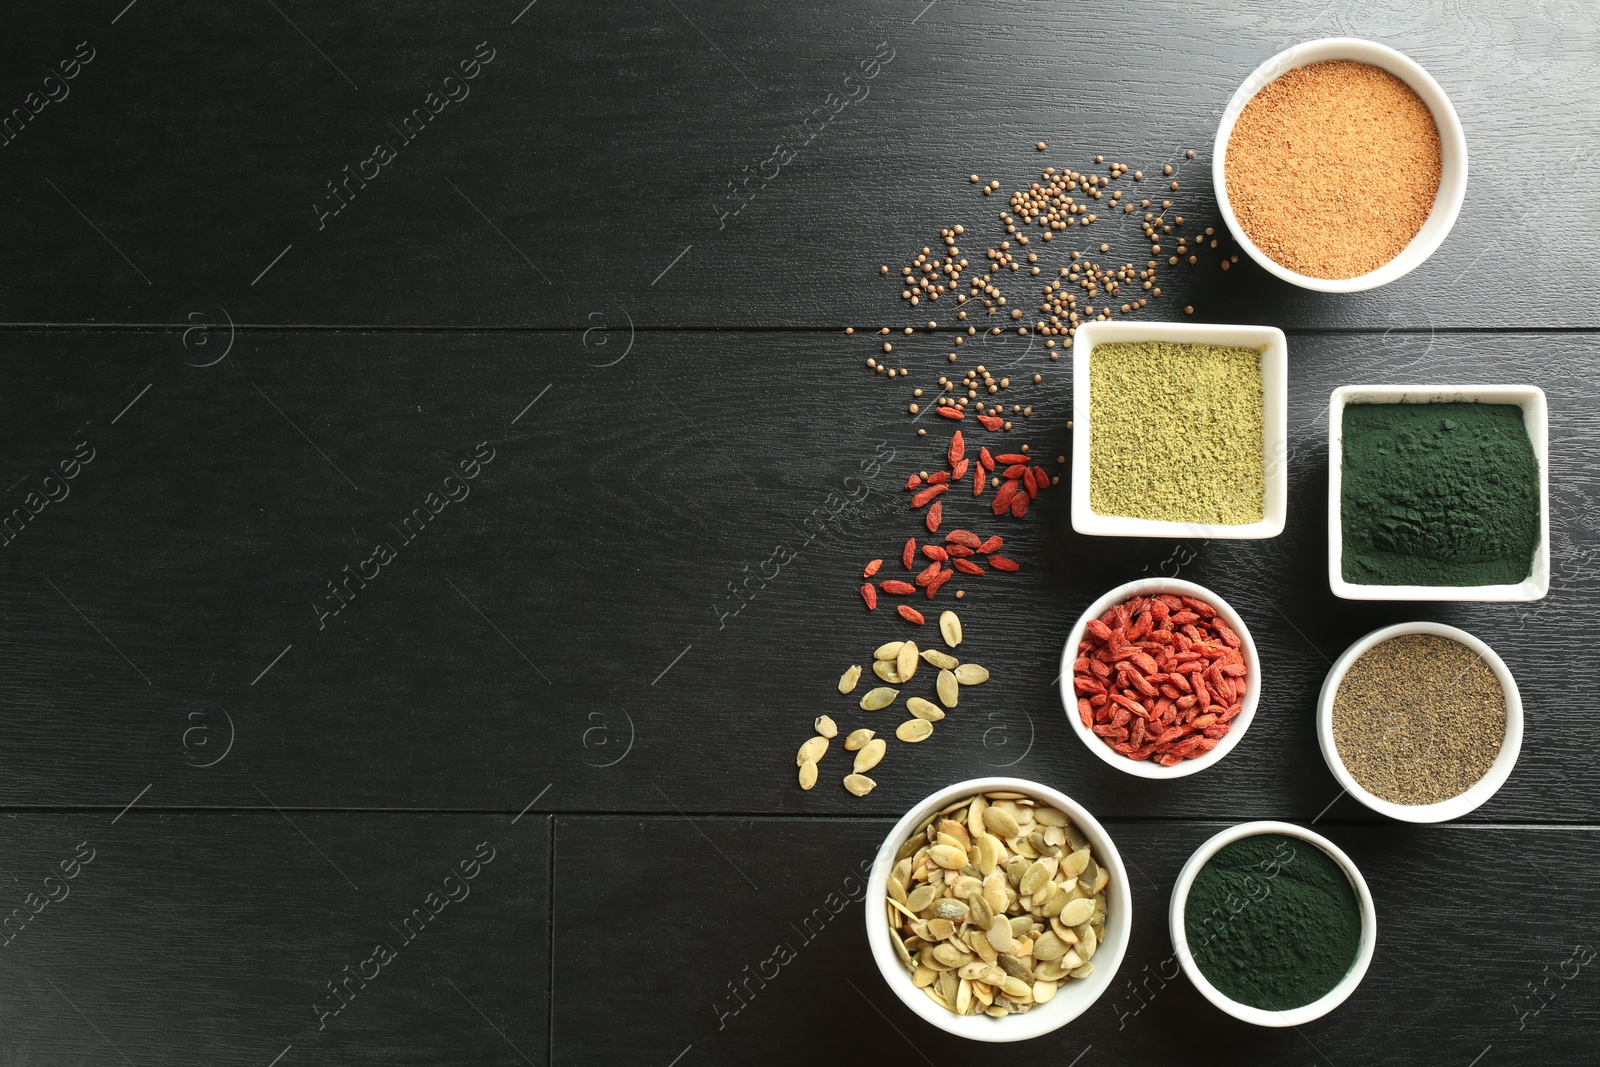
x=870 y=595
x=935 y=516
x=963 y=537
x=938 y=477
x=872 y=568
x=977 y=479
x=1001 y=563
x=1009 y=458
x=1019 y=505
x=966 y=566
x=913 y=482
x=907 y=612
x=1002 y=498
x=938 y=580
x=958 y=448
x=1016 y=470
x=935 y=552
x=895 y=587
x=951 y=412
x=959 y=471
x=985 y=459
x=909 y=553
x=991 y=544
x=990 y=422
x=927 y=494
x=929 y=572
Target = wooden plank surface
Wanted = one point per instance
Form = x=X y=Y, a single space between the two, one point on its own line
x=604 y=144
x=719 y=989
x=571 y=619
x=146 y=937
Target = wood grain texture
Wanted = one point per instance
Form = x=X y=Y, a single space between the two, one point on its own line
x=571 y=621
x=605 y=143
x=212 y=938
x=724 y=989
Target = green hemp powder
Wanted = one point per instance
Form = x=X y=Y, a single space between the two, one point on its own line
x=1437 y=494
x=1176 y=433
x=1272 y=922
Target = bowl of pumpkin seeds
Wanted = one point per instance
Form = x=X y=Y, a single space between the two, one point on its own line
x=998 y=909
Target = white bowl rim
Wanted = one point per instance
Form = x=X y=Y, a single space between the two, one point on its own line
x=1041 y=1020
x=1536 y=417
x=1444 y=810
x=1274 y=345
x=1245 y=1012
x=1452 y=181
x=1241 y=722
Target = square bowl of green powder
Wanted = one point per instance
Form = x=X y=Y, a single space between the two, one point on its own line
x=1438 y=492
x=1180 y=430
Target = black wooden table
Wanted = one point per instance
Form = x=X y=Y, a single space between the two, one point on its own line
x=520 y=788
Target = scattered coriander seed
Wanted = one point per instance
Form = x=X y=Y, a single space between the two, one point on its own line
x=871 y=362
x=849 y=330
x=1041 y=146
x=1099 y=159
x=1166 y=168
x=1188 y=309
x=887 y=347
x=1189 y=154
x=1037 y=378
x=912 y=408
x=960 y=593
x=922 y=433
x=973 y=179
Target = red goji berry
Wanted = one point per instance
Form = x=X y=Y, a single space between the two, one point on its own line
x=872 y=568
x=958 y=551
x=966 y=566
x=895 y=587
x=930 y=572
x=1002 y=498
x=991 y=423
x=870 y=595
x=985 y=459
x=938 y=477
x=958 y=448
x=935 y=516
x=977 y=479
x=909 y=613
x=951 y=412
x=1019 y=505
x=913 y=482
x=991 y=544
x=1040 y=478
x=938 y=580
x=909 y=553
x=935 y=552
x=1026 y=481
x=1001 y=563
x=1009 y=458
x=1016 y=470
x=963 y=537
x=959 y=471
x=927 y=494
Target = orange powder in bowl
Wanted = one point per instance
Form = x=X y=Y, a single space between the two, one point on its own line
x=1332 y=168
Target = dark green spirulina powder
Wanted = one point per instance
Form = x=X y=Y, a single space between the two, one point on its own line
x=1437 y=494
x=1272 y=921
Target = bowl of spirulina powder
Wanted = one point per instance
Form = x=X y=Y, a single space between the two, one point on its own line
x=1273 y=923
x=1421 y=722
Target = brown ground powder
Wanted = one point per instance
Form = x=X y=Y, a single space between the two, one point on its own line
x=1333 y=167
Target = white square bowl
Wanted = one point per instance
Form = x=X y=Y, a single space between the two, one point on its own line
x=1274 y=350
x=1535 y=418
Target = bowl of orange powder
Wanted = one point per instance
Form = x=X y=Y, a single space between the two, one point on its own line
x=1340 y=165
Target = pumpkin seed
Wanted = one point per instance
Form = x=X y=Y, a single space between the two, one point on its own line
x=1035 y=878
x=924 y=709
x=957 y=831
x=847 y=680
x=871 y=755
x=808 y=774
x=914 y=730
x=1017 y=989
x=990 y=853
x=1000 y=937
x=921 y=897
x=1075 y=863
x=825 y=726
x=811 y=751
x=950 y=628
x=888 y=651
x=949 y=857
x=856 y=739
x=1088 y=943
x=934 y=658
x=906 y=661
x=886 y=670
x=1043 y=991
x=971 y=674
x=1082 y=972
x=1077 y=911
x=1051 y=816
x=1000 y=822
x=953 y=910
x=859 y=784
x=949 y=690
x=878 y=699
x=979 y=910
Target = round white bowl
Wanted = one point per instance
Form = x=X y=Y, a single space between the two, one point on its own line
x=1241 y=722
x=1444 y=810
x=1452 y=143
x=1262 y=1016
x=1074 y=997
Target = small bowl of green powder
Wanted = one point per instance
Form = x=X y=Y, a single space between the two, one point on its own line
x=1273 y=923
x=1421 y=722
x=1180 y=430
x=1438 y=492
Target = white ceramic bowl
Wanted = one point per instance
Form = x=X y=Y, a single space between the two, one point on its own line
x=1262 y=1016
x=1074 y=997
x=1452 y=143
x=1535 y=416
x=1444 y=810
x=1274 y=439
x=1241 y=722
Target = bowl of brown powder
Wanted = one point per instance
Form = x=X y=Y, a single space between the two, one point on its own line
x=1421 y=722
x=1340 y=165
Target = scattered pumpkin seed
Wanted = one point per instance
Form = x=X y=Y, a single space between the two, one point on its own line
x=971 y=674
x=924 y=709
x=890 y=651
x=847 y=680
x=856 y=739
x=826 y=726
x=859 y=784
x=939 y=659
x=878 y=699
x=906 y=660
x=812 y=750
x=871 y=755
x=808 y=774
x=949 y=690
x=950 y=628
x=886 y=670
x=913 y=730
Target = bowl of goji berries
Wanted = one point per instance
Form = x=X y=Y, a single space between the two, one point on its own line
x=1160 y=678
